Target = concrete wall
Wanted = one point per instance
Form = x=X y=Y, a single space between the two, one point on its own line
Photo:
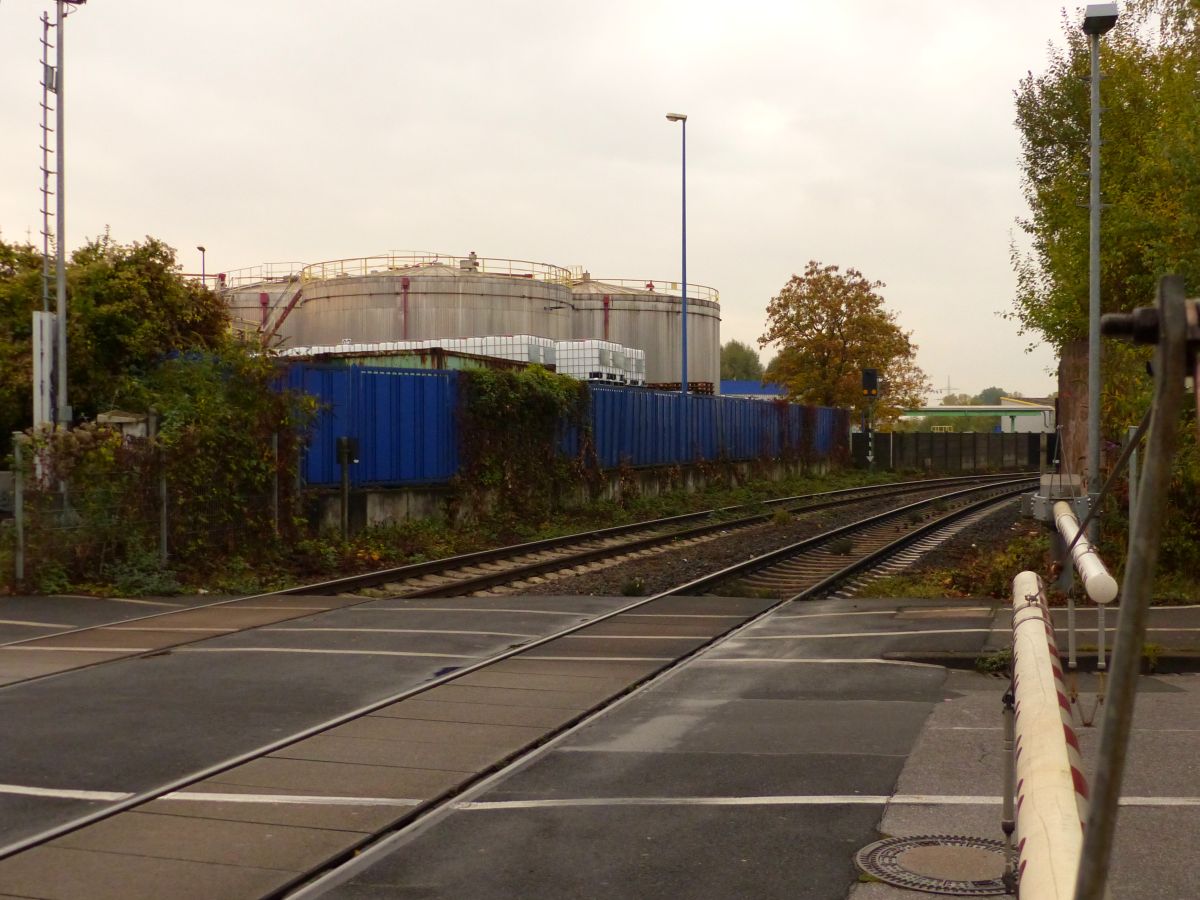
x=953 y=452
x=383 y=506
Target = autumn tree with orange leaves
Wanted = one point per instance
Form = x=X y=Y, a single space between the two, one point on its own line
x=829 y=325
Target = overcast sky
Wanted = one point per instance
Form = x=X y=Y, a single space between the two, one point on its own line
x=865 y=133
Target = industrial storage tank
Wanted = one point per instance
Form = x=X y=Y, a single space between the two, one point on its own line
x=648 y=315
x=416 y=296
x=251 y=293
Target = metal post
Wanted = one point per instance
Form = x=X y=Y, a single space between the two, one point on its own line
x=162 y=514
x=1093 y=456
x=62 y=414
x=684 y=378
x=275 y=482
x=1133 y=477
x=152 y=427
x=19 y=508
x=1008 y=818
x=871 y=435
x=345 y=499
x=1169 y=370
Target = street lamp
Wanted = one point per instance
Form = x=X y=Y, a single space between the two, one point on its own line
x=203 y=282
x=1098 y=19
x=683 y=380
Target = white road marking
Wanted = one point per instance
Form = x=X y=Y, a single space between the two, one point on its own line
x=316 y=799
x=844 y=661
x=166 y=628
x=461 y=609
x=130 y=600
x=601 y=658
x=280 y=608
x=408 y=631
x=35 y=624
x=678 y=616
x=637 y=637
x=307 y=650
x=34 y=647
x=794 y=800
x=62 y=794
x=877 y=612
x=854 y=634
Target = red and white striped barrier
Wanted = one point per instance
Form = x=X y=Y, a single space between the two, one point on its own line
x=1052 y=792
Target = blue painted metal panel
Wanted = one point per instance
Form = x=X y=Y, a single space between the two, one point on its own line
x=405 y=422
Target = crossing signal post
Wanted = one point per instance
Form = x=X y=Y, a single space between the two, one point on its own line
x=870 y=389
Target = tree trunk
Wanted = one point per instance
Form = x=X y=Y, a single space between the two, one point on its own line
x=1073 y=406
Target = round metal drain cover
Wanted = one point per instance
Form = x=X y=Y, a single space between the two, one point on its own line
x=939 y=864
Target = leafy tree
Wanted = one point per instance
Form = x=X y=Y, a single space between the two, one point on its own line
x=958 y=400
x=990 y=396
x=830 y=325
x=128 y=307
x=739 y=362
x=20 y=294
x=1150 y=177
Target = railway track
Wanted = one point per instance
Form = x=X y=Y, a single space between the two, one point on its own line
x=397 y=760
x=72 y=649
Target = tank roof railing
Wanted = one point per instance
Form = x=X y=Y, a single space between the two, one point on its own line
x=384 y=263
x=265 y=272
x=659 y=286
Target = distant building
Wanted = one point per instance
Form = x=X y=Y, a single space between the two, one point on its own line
x=1026 y=423
x=752 y=390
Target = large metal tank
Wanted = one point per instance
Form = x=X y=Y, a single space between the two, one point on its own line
x=251 y=293
x=417 y=296
x=648 y=315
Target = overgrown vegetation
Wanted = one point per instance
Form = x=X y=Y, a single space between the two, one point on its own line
x=218 y=436
x=515 y=429
x=1150 y=173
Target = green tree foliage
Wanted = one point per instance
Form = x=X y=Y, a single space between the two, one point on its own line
x=20 y=294
x=829 y=326
x=129 y=308
x=512 y=430
x=1150 y=179
x=740 y=362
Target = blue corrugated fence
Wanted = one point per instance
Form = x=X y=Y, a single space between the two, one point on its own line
x=405 y=423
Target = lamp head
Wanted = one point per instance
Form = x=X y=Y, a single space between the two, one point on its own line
x=676 y=117
x=1099 y=18
x=201 y=249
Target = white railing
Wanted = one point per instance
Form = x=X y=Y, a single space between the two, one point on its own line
x=386 y=263
x=265 y=272
x=659 y=286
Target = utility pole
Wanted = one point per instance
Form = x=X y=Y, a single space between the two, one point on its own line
x=1098 y=19
x=62 y=415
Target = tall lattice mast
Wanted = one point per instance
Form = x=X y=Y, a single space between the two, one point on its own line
x=49 y=86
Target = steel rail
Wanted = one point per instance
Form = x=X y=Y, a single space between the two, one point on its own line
x=313 y=883
x=467 y=585
x=776 y=556
x=435 y=566
x=690 y=587
x=537 y=567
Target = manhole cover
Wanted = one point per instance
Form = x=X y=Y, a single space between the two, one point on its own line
x=939 y=864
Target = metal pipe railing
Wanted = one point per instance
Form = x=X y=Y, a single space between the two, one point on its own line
x=1051 y=788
